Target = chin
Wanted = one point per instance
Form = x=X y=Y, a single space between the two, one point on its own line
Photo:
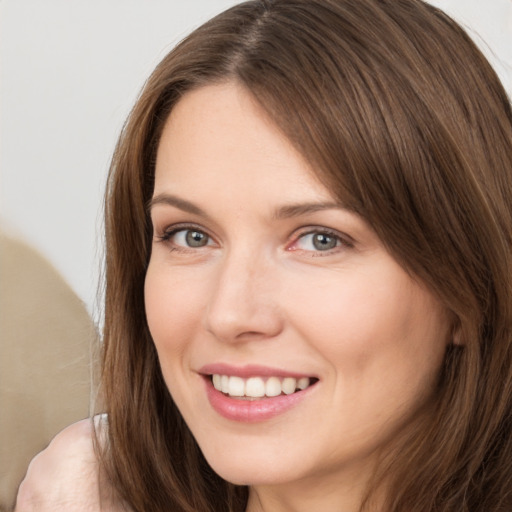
x=253 y=476
x=254 y=466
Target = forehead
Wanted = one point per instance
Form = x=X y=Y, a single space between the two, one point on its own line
x=218 y=140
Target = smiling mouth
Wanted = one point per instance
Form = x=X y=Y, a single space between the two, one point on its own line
x=259 y=387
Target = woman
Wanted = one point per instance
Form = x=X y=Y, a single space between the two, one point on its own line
x=308 y=301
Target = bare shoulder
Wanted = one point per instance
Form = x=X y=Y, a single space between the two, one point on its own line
x=64 y=476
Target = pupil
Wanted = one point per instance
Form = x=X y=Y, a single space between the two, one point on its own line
x=324 y=242
x=196 y=239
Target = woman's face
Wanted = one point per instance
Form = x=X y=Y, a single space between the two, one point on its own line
x=260 y=283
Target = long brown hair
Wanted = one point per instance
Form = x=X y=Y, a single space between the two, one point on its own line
x=403 y=118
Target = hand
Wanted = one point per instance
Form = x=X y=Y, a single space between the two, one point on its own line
x=64 y=476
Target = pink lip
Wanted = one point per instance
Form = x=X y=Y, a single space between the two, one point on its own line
x=248 y=371
x=250 y=411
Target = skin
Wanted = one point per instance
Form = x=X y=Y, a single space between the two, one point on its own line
x=65 y=477
x=260 y=292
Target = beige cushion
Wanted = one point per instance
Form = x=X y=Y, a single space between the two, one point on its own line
x=45 y=342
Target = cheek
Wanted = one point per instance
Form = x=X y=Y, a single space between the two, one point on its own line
x=384 y=347
x=343 y=314
x=173 y=308
x=375 y=332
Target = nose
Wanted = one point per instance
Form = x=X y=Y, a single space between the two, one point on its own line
x=243 y=303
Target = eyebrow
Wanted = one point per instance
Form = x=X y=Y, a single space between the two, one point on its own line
x=296 y=210
x=177 y=202
x=283 y=212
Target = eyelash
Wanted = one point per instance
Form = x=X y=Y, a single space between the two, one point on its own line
x=342 y=241
x=169 y=233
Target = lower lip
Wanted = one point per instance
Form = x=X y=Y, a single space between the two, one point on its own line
x=252 y=411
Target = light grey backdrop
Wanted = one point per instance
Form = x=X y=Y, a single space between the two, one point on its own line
x=70 y=71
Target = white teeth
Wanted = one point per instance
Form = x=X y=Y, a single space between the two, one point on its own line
x=216 y=379
x=224 y=384
x=257 y=387
x=289 y=385
x=303 y=383
x=273 y=387
x=236 y=386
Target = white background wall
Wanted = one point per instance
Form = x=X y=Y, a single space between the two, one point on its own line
x=70 y=71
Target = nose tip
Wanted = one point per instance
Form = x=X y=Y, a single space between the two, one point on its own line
x=242 y=306
x=241 y=324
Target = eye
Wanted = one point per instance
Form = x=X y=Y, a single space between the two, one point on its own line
x=189 y=238
x=318 y=241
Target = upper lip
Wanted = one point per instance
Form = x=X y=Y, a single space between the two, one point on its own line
x=249 y=370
